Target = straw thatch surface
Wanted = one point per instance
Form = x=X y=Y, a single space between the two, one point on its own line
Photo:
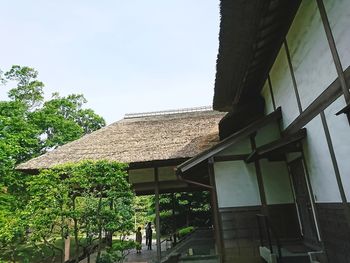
x=139 y=139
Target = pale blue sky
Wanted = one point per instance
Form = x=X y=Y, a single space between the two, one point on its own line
x=123 y=55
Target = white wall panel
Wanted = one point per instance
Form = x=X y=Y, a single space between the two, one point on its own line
x=283 y=88
x=319 y=163
x=310 y=54
x=265 y=92
x=267 y=134
x=339 y=130
x=338 y=12
x=141 y=175
x=241 y=147
x=236 y=184
x=276 y=182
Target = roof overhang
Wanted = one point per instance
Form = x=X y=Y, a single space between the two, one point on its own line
x=251 y=34
x=234 y=138
x=274 y=151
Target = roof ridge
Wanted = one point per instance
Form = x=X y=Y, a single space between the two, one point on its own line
x=167 y=112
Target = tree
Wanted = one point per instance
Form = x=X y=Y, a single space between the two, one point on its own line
x=84 y=200
x=62 y=119
x=183 y=209
x=29 y=90
x=30 y=126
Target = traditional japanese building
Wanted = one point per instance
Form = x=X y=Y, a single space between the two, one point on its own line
x=153 y=144
x=275 y=157
x=283 y=77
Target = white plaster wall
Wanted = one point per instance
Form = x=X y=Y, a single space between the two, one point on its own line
x=141 y=175
x=283 y=91
x=276 y=182
x=319 y=163
x=236 y=184
x=267 y=134
x=265 y=92
x=339 y=130
x=147 y=174
x=241 y=147
x=166 y=173
x=310 y=54
x=338 y=12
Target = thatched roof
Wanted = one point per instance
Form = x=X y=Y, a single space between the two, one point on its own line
x=251 y=33
x=139 y=138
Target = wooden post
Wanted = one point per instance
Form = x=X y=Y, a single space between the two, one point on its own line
x=156 y=193
x=216 y=214
x=259 y=177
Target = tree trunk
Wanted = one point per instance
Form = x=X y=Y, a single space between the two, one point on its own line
x=99 y=229
x=13 y=254
x=174 y=219
x=76 y=237
x=66 y=248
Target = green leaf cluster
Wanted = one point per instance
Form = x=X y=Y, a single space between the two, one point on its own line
x=89 y=202
x=30 y=126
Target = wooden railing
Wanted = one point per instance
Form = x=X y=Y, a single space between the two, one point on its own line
x=269 y=237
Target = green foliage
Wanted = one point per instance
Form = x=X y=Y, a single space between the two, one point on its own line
x=82 y=200
x=185 y=231
x=29 y=90
x=118 y=252
x=143 y=211
x=183 y=209
x=29 y=126
x=62 y=119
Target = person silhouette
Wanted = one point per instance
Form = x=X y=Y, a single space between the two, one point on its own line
x=149 y=236
x=138 y=240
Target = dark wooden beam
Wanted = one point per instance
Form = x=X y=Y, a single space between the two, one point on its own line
x=157 y=163
x=259 y=179
x=233 y=157
x=271 y=92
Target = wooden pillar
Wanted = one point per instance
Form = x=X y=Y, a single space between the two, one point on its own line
x=216 y=213
x=156 y=193
x=260 y=180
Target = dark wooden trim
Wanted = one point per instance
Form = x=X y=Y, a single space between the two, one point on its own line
x=336 y=231
x=157 y=163
x=259 y=179
x=233 y=157
x=271 y=92
x=295 y=86
x=156 y=194
x=334 y=50
x=326 y=98
x=195 y=183
x=216 y=215
x=147 y=188
x=290 y=177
